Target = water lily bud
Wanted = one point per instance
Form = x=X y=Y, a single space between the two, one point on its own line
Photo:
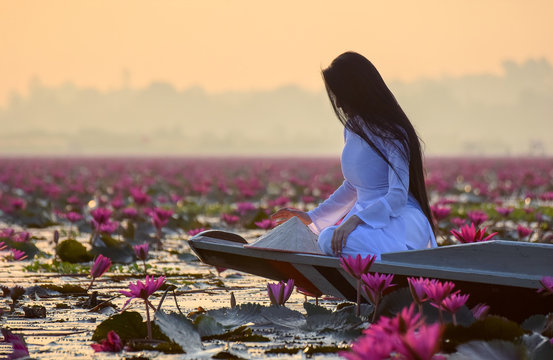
x=56 y=237
x=232 y=300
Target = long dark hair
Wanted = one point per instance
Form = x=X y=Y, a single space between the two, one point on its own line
x=363 y=102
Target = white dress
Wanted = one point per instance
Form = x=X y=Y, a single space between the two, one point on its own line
x=392 y=218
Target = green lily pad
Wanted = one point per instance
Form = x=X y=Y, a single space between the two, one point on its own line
x=489 y=328
x=180 y=330
x=241 y=333
x=489 y=350
x=72 y=251
x=128 y=325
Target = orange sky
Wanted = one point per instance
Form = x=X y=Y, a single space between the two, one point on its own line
x=256 y=44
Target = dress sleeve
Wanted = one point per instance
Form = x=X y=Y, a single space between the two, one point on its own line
x=379 y=213
x=334 y=208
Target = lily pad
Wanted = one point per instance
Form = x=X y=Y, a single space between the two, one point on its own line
x=535 y=323
x=72 y=251
x=538 y=346
x=28 y=248
x=241 y=333
x=180 y=330
x=284 y=317
x=337 y=321
x=239 y=315
x=492 y=350
x=118 y=251
x=65 y=288
x=207 y=325
x=128 y=325
x=489 y=328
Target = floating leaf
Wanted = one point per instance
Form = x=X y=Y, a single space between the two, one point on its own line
x=538 y=346
x=239 y=315
x=337 y=321
x=128 y=325
x=164 y=347
x=489 y=328
x=394 y=302
x=34 y=312
x=65 y=288
x=282 y=316
x=241 y=333
x=535 y=323
x=28 y=248
x=72 y=251
x=207 y=325
x=118 y=251
x=180 y=330
x=312 y=309
x=492 y=350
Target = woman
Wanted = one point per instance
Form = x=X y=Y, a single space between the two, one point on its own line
x=383 y=196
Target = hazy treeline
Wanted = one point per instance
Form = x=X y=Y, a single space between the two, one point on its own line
x=479 y=114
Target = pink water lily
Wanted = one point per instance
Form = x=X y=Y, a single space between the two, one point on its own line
x=73 y=216
x=421 y=343
x=453 y=303
x=265 y=224
x=374 y=286
x=547 y=284
x=18 y=255
x=440 y=212
x=417 y=289
x=405 y=336
x=112 y=343
x=19 y=348
x=280 y=292
x=193 y=232
x=143 y=291
x=141 y=252
x=469 y=234
x=100 y=216
x=504 y=211
x=523 y=231
x=230 y=219
x=477 y=217
x=437 y=292
x=244 y=207
x=357 y=266
x=99 y=267
x=479 y=311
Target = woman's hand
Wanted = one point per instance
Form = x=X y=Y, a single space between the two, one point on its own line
x=341 y=233
x=286 y=214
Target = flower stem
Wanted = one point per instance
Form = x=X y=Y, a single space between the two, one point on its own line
x=454 y=319
x=358 y=311
x=375 y=309
x=89 y=286
x=149 y=325
x=145 y=270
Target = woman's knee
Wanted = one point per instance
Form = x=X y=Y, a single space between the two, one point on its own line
x=324 y=241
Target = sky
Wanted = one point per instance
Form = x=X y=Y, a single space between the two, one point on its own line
x=248 y=46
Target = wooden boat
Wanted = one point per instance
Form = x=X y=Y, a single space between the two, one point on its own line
x=503 y=274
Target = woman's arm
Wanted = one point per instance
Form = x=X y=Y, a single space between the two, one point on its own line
x=334 y=208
